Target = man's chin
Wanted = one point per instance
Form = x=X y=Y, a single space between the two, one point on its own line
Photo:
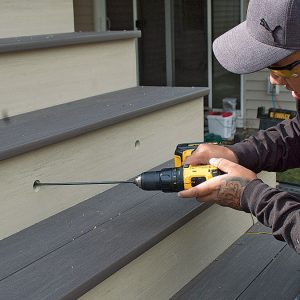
x=296 y=95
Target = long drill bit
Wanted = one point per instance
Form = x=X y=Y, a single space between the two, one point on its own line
x=37 y=183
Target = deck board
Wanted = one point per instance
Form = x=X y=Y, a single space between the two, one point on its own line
x=33 y=130
x=279 y=280
x=67 y=254
x=238 y=271
x=46 y=41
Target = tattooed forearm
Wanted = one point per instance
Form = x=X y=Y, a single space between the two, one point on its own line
x=230 y=192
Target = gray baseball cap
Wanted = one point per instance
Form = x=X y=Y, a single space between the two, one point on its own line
x=270 y=33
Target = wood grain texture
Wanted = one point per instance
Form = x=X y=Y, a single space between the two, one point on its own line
x=230 y=275
x=169 y=265
x=31 y=17
x=279 y=280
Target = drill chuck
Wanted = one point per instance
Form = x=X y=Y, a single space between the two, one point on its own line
x=166 y=180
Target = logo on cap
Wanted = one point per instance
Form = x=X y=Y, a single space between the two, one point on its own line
x=274 y=32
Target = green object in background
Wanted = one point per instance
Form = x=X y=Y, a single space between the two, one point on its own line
x=291 y=176
x=212 y=138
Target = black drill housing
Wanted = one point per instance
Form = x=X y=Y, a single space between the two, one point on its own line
x=167 y=180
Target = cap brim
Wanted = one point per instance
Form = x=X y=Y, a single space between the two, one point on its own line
x=238 y=52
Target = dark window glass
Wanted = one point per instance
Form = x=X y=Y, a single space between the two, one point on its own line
x=225 y=15
x=152 y=46
x=190 y=43
x=119 y=14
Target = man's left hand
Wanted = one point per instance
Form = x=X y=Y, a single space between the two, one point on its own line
x=225 y=190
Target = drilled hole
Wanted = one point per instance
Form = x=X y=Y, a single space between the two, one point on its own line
x=5 y=116
x=137 y=144
x=36 y=186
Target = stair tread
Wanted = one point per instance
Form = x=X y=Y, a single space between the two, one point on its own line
x=34 y=42
x=69 y=253
x=254 y=267
x=33 y=130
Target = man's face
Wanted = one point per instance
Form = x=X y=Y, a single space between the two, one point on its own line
x=292 y=84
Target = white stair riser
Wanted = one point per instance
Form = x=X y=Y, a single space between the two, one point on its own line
x=109 y=153
x=38 y=79
x=33 y=17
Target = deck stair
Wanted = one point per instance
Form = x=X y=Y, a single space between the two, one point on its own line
x=256 y=266
x=72 y=110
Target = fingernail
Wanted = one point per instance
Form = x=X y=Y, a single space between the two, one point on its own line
x=179 y=195
x=214 y=161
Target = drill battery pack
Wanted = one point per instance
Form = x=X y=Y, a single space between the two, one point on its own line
x=185 y=150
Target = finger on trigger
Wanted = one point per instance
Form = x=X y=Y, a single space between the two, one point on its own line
x=190 y=193
x=200 y=190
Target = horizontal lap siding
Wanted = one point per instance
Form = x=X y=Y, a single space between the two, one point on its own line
x=256 y=96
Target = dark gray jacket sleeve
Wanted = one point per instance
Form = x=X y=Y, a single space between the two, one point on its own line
x=276 y=209
x=274 y=149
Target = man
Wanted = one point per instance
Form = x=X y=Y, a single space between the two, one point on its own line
x=270 y=37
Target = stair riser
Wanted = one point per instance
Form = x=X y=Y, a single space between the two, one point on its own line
x=164 y=269
x=38 y=79
x=110 y=153
x=31 y=17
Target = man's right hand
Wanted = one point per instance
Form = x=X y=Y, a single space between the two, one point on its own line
x=205 y=152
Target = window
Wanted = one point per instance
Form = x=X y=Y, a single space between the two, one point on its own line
x=190 y=43
x=225 y=15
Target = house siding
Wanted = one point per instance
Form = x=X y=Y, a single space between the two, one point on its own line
x=256 y=95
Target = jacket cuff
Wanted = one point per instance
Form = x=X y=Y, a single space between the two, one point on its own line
x=251 y=195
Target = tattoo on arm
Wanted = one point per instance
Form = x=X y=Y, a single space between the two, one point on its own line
x=230 y=192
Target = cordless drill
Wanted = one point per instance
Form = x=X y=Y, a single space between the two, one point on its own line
x=182 y=177
x=176 y=179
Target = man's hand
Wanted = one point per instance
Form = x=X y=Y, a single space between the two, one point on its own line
x=205 y=152
x=225 y=190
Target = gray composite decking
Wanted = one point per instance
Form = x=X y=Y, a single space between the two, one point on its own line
x=46 y=41
x=33 y=130
x=67 y=254
x=255 y=267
